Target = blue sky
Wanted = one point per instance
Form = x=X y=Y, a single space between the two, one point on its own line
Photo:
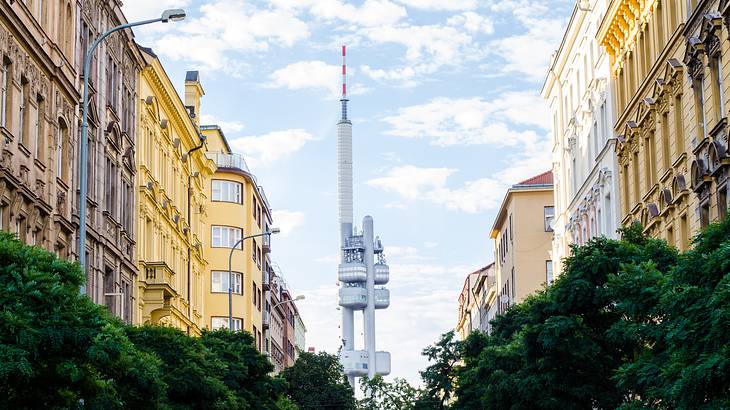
x=446 y=112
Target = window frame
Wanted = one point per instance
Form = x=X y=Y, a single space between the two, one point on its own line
x=547 y=222
x=232 y=196
x=237 y=283
x=237 y=323
x=230 y=244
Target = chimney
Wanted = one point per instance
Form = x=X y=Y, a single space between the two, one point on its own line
x=193 y=93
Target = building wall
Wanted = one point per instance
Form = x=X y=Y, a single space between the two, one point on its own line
x=522 y=244
x=111 y=236
x=584 y=163
x=171 y=185
x=38 y=74
x=300 y=331
x=252 y=216
x=672 y=109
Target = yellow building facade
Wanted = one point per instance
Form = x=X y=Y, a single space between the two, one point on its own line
x=670 y=82
x=522 y=234
x=237 y=208
x=172 y=176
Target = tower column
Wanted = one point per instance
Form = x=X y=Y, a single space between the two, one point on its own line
x=369 y=313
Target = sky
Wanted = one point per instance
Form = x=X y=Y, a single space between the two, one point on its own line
x=446 y=111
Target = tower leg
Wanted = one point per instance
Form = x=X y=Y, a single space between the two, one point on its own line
x=369 y=313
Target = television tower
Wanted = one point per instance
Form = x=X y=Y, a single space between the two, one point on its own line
x=362 y=265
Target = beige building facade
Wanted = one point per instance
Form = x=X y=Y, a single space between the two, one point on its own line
x=477 y=305
x=38 y=123
x=522 y=234
x=670 y=81
x=172 y=174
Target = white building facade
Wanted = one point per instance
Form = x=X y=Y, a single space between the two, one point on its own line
x=584 y=167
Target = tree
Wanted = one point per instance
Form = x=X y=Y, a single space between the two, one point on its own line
x=246 y=370
x=317 y=381
x=57 y=348
x=440 y=376
x=379 y=394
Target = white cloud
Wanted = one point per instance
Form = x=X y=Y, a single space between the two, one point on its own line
x=227 y=126
x=370 y=13
x=472 y=22
x=428 y=49
x=266 y=149
x=288 y=221
x=314 y=74
x=528 y=53
x=468 y=121
x=410 y=181
x=230 y=26
x=449 y=5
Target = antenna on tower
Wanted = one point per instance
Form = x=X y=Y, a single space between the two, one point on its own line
x=343 y=100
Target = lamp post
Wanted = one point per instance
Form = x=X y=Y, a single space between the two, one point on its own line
x=300 y=297
x=167 y=15
x=230 y=271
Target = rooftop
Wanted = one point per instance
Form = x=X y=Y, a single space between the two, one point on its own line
x=546 y=178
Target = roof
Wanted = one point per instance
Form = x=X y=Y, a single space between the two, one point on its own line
x=546 y=178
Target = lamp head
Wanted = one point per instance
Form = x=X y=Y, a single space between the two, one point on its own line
x=173 y=15
x=300 y=297
x=274 y=231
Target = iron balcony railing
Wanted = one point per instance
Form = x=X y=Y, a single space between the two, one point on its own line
x=224 y=160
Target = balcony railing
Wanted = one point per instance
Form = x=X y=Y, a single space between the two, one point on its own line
x=224 y=160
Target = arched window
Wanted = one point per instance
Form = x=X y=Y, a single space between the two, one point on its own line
x=68 y=32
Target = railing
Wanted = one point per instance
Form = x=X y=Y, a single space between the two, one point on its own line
x=223 y=160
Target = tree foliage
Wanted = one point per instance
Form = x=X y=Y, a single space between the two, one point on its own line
x=439 y=377
x=379 y=394
x=59 y=350
x=630 y=323
x=317 y=381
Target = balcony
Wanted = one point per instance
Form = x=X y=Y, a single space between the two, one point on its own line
x=266 y=279
x=382 y=298
x=382 y=273
x=266 y=320
x=224 y=160
x=382 y=363
x=353 y=297
x=352 y=272
x=159 y=275
x=266 y=244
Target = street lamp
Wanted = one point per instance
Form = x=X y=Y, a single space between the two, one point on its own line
x=300 y=297
x=230 y=271
x=167 y=15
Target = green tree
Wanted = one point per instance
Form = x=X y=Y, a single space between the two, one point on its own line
x=440 y=376
x=317 y=381
x=246 y=371
x=378 y=394
x=57 y=348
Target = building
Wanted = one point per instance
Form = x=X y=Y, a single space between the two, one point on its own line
x=237 y=208
x=578 y=92
x=38 y=123
x=300 y=334
x=111 y=267
x=275 y=323
x=522 y=234
x=289 y=340
x=670 y=83
x=477 y=296
x=362 y=265
x=172 y=174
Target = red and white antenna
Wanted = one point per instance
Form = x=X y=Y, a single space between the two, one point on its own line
x=344 y=72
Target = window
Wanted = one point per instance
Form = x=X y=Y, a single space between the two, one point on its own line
x=699 y=91
x=219 y=281
x=61 y=156
x=222 y=323
x=678 y=125
x=704 y=214
x=38 y=127
x=254 y=294
x=722 y=202
x=227 y=191
x=717 y=91
x=683 y=232
x=225 y=237
x=549 y=213
x=253 y=248
x=23 y=111
x=649 y=161
x=549 y=272
x=4 y=92
x=110 y=186
x=665 y=142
